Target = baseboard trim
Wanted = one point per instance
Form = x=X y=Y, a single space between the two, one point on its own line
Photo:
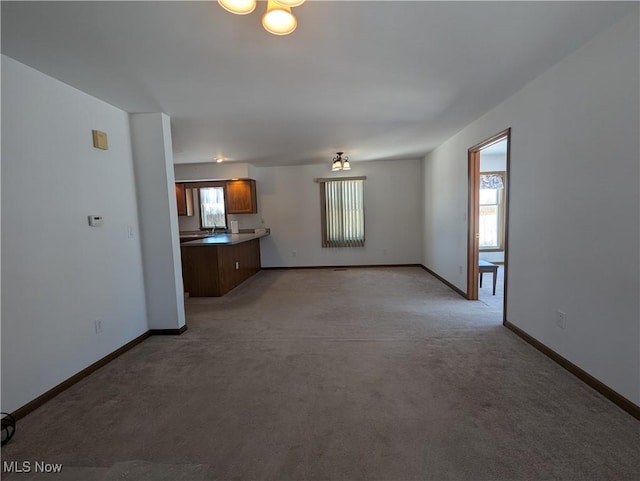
x=287 y=268
x=168 y=332
x=444 y=281
x=441 y=279
x=64 y=385
x=584 y=376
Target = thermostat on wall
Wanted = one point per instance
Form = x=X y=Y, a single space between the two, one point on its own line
x=95 y=220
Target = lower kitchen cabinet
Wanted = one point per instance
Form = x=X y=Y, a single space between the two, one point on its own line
x=213 y=270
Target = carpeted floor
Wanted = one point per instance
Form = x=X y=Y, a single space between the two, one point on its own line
x=322 y=374
x=485 y=293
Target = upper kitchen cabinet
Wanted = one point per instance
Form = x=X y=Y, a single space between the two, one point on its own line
x=241 y=196
x=184 y=198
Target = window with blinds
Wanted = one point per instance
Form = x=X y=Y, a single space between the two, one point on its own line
x=342 y=212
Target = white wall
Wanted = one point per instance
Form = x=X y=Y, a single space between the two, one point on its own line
x=211 y=171
x=59 y=274
x=445 y=185
x=289 y=203
x=155 y=188
x=575 y=201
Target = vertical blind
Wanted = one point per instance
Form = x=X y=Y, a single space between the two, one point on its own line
x=343 y=213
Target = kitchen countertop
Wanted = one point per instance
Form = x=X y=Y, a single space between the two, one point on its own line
x=224 y=239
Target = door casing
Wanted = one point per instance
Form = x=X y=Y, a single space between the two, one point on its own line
x=473 y=238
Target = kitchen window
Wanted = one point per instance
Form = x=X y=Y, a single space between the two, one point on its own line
x=342 y=202
x=492 y=211
x=212 y=211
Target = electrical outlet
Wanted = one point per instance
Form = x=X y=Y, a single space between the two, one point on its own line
x=459 y=269
x=98 y=325
x=237 y=265
x=294 y=253
x=384 y=252
x=130 y=231
x=561 y=319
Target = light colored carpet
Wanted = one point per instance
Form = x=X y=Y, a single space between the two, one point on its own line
x=371 y=373
x=485 y=293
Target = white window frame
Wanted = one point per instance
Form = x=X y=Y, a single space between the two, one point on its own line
x=208 y=185
x=342 y=218
x=501 y=211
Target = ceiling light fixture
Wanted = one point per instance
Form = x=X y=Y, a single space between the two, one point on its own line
x=340 y=162
x=278 y=18
x=239 y=7
x=290 y=3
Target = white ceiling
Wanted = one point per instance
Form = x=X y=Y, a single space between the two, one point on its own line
x=377 y=80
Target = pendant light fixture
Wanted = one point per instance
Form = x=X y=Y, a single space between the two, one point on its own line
x=290 y=3
x=278 y=19
x=340 y=162
x=239 y=7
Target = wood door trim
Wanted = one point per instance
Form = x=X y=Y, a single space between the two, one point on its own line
x=472 y=230
x=472 y=220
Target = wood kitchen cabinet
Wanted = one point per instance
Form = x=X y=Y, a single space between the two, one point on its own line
x=184 y=200
x=181 y=199
x=213 y=270
x=237 y=263
x=241 y=196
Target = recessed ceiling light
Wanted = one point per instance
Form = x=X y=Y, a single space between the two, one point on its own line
x=219 y=159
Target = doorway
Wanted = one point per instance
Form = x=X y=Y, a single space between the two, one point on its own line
x=488 y=220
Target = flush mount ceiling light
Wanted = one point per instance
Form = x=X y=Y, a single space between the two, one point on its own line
x=340 y=162
x=278 y=18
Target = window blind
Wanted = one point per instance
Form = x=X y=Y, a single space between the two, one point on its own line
x=343 y=213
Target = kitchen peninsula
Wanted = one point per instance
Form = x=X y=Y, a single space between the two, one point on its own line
x=213 y=265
